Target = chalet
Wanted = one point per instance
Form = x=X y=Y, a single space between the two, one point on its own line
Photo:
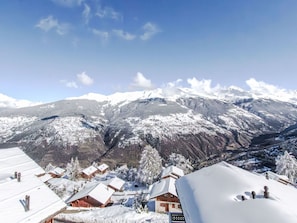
x=116 y=184
x=224 y=193
x=93 y=195
x=103 y=168
x=164 y=193
x=89 y=172
x=172 y=171
x=280 y=178
x=57 y=172
x=24 y=197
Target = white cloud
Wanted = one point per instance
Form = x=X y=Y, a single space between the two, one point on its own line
x=124 y=35
x=174 y=83
x=10 y=102
x=85 y=79
x=150 y=30
x=172 y=88
x=102 y=34
x=63 y=29
x=201 y=86
x=140 y=81
x=260 y=87
x=68 y=3
x=108 y=12
x=86 y=13
x=69 y=84
x=50 y=23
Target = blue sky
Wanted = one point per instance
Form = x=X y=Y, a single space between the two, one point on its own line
x=53 y=49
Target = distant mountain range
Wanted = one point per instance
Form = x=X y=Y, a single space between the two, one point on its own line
x=115 y=128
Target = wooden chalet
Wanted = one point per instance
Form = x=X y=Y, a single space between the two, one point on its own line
x=172 y=171
x=166 y=198
x=116 y=184
x=103 y=168
x=57 y=172
x=93 y=195
x=89 y=172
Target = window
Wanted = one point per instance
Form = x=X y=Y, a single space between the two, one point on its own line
x=173 y=205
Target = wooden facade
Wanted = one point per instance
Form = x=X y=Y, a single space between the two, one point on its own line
x=89 y=202
x=89 y=176
x=103 y=168
x=167 y=203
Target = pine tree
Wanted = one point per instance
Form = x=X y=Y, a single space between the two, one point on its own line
x=73 y=169
x=150 y=165
x=181 y=162
x=286 y=164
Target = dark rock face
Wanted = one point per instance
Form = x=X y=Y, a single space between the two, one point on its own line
x=196 y=127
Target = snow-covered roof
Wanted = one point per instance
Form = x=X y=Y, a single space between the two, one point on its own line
x=43 y=201
x=98 y=191
x=172 y=171
x=213 y=195
x=117 y=183
x=46 y=177
x=14 y=159
x=57 y=171
x=103 y=167
x=89 y=170
x=163 y=186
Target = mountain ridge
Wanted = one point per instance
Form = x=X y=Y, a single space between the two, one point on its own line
x=172 y=92
x=115 y=128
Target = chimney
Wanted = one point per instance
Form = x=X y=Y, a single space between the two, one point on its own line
x=19 y=177
x=253 y=194
x=27 y=202
x=15 y=174
x=266 y=192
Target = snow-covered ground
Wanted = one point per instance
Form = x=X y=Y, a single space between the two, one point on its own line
x=113 y=214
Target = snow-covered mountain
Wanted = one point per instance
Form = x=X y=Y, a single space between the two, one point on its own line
x=196 y=123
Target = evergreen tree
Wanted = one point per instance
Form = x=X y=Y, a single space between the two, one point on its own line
x=181 y=162
x=126 y=173
x=286 y=164
x=150 y=165
x=73 y=169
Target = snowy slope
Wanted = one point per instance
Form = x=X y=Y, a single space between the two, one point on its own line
x=213 y=195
